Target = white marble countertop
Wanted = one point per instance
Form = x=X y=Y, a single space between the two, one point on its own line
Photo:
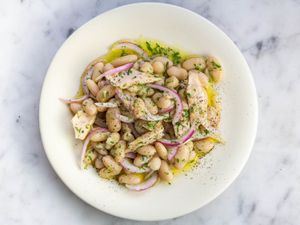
x=267 y=191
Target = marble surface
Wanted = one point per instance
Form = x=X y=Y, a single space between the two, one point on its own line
x=267 y=191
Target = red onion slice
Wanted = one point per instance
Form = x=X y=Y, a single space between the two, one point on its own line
x=86 y=142
x=131 y=46
x=172 y=152
x=115 y=70
x=176 y=142
x=174 y=94
x=106 y=104
x=74 y=100
x=132 y=168
x=145 y=185
x=130 y=155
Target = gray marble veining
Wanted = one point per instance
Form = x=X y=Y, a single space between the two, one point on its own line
x=267 y=191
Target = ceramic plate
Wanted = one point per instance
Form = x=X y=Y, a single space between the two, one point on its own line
x=178 y=27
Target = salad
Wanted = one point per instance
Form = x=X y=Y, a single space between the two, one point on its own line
x=146 y=111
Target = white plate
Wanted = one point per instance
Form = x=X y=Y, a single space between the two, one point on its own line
x=178 y=27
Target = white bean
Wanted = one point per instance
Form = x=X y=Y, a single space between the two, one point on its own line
x=161 y=150
x=130 y=179
x=118 y=151
x=158 y=67
x=172 y=82
x=99 y=136
x=92 y=86
x=214 y=68
x=195 y=62
x=89 y=107
x=205 y=145
x=75 y=107
x=147 y=150
x=124 y=60
x=98 y=163
x=140 y=160
x=113 y=123
x=106 y=93
x=177 y=72
x=98 y=69
x=107 y=67
x=166 y=62
x=164 y=102
x=165 y=172
x=112 y=139
x=154 y=163
x=111 y=164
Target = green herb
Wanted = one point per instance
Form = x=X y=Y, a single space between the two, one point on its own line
x=216 y=65
x=186 y=113
x=157 y=49
x=188 y=95
x=123 y=53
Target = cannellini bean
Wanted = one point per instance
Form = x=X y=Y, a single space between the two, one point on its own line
x=130 y=179
x=161 y=150
x=195 y=62
x=99 y=136
x=205 y=145
x=124 y=60
x=92 y=86
x=154 y=163
x=203 y=77
x=89 y=107
x=106 y=173
x=75 y=107
x=179 y=73
x=113 y=123
x=146 y=67
x=167 y=62
x=111 y=164
x=215 y=69
x=164 y=102
x=165 y=172
x=98 y=69
x=118 y=151
x=112 y=139
x=98 y=163
x=192 y=155
x=100 y=148
x=172 y=82
x=141 y=160
x=181 y=157
x=150 y=105
x=107 y=67
x=106 y=93
x=156 y=96
x=147 y=150
x=127 y=136
x=158 y=67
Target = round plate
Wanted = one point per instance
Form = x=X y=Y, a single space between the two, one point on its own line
x=178 y=27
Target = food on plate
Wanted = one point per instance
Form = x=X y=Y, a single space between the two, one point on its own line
x=145 y=111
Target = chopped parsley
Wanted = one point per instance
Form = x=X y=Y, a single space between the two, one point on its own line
x=216 y=65
x=157 y=49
